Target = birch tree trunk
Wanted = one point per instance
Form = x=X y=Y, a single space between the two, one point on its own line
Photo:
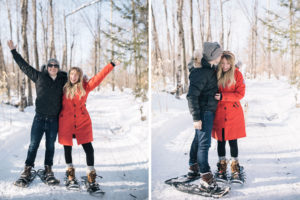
x=168 y=30
x=179 y=88
x=208 y=22
x=192 y=28
x=35 y=48
x=24 y=6
x=52 y=44
x=65 y=50
x=158 y=57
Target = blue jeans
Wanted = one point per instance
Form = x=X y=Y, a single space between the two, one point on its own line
x=42 y=124
x=201 y=143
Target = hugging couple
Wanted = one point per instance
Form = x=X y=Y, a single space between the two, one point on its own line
x=60 y=110
x=216 y=88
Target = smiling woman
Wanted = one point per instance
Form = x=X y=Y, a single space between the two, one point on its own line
x=94 y=35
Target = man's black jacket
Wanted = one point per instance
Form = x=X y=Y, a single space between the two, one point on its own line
x=202 y=90
x=48 y=91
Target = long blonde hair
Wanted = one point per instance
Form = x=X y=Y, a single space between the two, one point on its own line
x=226 y=79
x=71 y=89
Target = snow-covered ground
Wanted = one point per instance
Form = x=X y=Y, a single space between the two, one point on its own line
x=120 y=145
x=270 y=153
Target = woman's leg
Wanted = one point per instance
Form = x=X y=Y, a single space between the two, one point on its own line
x=68 y=156
x=89 y=151
x=222 y=148
x=233 y=149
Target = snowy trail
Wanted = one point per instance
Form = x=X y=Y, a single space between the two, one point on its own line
x=120 y=146
x=270 y=153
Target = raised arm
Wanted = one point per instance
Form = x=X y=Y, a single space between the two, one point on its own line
x=98 y=78
x=24 y=66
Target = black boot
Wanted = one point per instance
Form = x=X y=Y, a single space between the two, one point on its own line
x=208 y=182
x=193 y=171
x=26 y=177
x=49 y=176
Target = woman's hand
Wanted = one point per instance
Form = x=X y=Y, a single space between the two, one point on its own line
x=11 y=45
x=198 y=125
x=218 y=96
x=116 y=62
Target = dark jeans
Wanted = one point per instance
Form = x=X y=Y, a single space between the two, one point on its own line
x=222 y=147
x=201 y=143
x=42 y=124
x=88 y=149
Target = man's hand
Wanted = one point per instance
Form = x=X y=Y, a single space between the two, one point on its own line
x=218 y=96
x=198 y=125
x=11 y=45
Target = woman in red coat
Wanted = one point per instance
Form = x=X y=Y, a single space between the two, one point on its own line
x=229 y=123
x=75 y=122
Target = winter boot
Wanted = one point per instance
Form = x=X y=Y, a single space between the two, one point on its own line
x=208 y=182
x=91 y=177
x=193 y=171
x=70 y=173
x=49 y=176
x=222 y=170
x=27 y=172
x=25 y=178
x=70 y=180
x=92 y=186
x=235 y=169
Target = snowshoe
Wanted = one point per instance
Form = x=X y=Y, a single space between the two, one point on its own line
x=71 y=182
x=198 y=190
x=182 y=179
x=237 y=173
x=47 y=176
x=26 y=177
x=221 y=173
x=92 y=188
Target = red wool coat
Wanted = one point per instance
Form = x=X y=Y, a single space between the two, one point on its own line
x=229 y=114
x=74 y=118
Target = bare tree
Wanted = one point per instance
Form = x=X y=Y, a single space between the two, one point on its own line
x=179 y=88
x=158 y=57
x=191 y=26
x=208 y=38
x=18 y=42
x=52 y=45
x=222 y=2
x=71 y=50
x=65 y=51
x=201 y=20
x=44 y=23
x=35 y=48
x=168 y=30
x=4 y=72
x=173 y=46
x=292 y=38
x=24 y=6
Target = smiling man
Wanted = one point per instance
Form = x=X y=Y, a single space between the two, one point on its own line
x=49 y=85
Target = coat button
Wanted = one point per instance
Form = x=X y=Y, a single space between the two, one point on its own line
x=225 y=119
x=224 y=108
x=74 y=126
x=74 y=105
x=74 y=115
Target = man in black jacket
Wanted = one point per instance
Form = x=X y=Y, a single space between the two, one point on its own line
x=49 y=90
x=202 y=106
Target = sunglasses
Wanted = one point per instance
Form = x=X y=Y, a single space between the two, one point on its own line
x=53 y=65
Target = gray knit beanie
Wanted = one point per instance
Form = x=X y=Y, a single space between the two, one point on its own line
x=211 y=50
x=53 y=61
